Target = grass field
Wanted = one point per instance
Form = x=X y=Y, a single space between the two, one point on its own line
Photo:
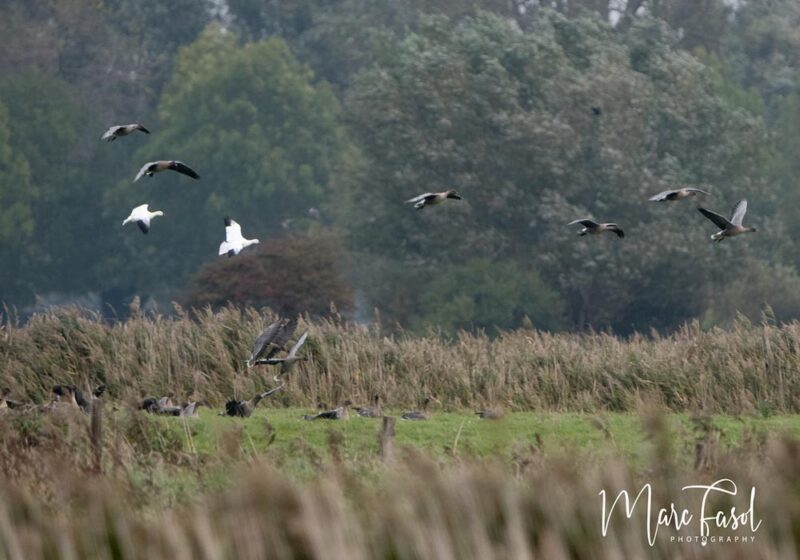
x=582 y=413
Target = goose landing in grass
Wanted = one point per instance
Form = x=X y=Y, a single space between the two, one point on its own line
x=243 y=409
x=677 y=194
x=234 y=242
x=729 y=228
x=593 y=228
x=122 y=130
x=271 y=341
x=287 y=362
x=153 y=167
x=142 y=216
x=432 y=199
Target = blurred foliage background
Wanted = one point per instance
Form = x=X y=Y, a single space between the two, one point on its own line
x=311 y=122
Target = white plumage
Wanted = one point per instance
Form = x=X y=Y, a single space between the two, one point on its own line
x=234 y=242
x=142 y=216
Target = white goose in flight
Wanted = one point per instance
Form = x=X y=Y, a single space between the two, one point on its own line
x=234 y=242
x=142 y=216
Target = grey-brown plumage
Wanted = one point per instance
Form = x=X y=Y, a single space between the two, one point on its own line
x=121 y=130
x=677 y=194
x=287 y=362
x=271 y=341
x=728 y=228
x=373 y=411
x=423 y=414
x=338 y=413
x=153 y=167
x=433 y=198
x=244 y=409
x=490 y=414
x=69 y=393
x=590 y=227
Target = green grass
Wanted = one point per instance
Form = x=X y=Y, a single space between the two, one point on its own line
x=298 y=444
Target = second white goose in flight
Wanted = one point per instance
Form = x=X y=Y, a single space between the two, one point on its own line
x=142 y=216
x=234 y=242
x=732 y=227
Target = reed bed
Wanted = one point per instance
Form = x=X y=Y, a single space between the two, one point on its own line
x=748 y=368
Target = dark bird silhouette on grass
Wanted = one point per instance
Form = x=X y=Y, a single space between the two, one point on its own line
x=244 y=409
x=338 y=413
x=423 y=414
x=70 y=392
x=373 y=411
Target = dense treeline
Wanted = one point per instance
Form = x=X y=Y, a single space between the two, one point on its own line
x=312 y=121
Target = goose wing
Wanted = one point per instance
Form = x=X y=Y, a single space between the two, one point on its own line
x=142 y=128
x=144 y=169
x=298 y=344
x=110 y=133
x=662 y=196
x=720 y=221
x=738 y=212
x=585 y=223
x=695 y=190
x=181 y=167
x=285 y=332
x=263 y=340
x=420 y=198
x=233 y=231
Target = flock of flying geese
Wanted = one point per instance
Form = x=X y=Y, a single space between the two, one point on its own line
x=276 y=336
x=729 y=227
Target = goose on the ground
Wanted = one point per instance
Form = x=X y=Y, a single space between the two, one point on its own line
x=272 y=340
x=70 y=393
x=728 y=228
x=338 y=413
x=373 y=411
x=244 y=409
x=677 y=194
x=142 y=216
x=234 y=242
x=431 y=199
x=287 y=362
x=153 y=167
x=490 y=413
x=423 y=414
x=593 y=228
x=7 y=403
x=122 y=130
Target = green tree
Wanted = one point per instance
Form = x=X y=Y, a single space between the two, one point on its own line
x=17 y=196
x=263 y=136
x=506 y=117
x=481 y=294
